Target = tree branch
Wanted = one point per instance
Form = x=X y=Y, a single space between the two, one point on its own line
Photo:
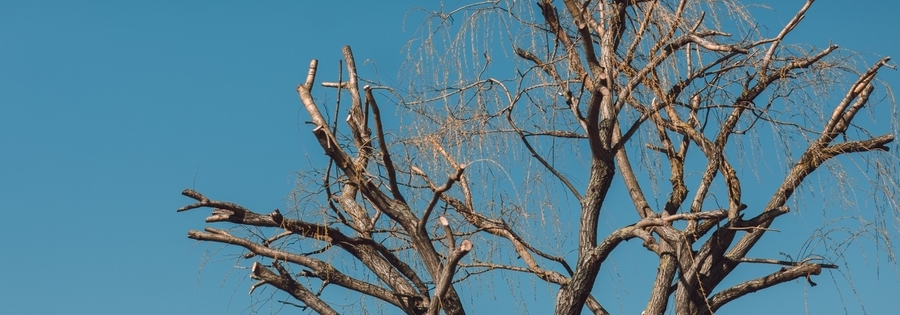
x=747 y=287
x=449 y=268
x=284 y=282
x=385 y=153
x=320 y=268
x=777 y=41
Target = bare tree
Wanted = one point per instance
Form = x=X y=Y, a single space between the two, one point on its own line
x=518 y=120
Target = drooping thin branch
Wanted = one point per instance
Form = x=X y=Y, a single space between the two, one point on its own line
x=639 y=34
x=565 y=181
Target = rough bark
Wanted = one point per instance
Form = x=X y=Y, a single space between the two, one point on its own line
x=602 y=91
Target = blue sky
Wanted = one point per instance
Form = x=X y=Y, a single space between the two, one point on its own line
x=110 y=109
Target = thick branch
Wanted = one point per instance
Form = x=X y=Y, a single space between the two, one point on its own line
x=782 y=276
x=373 y=255
x=443 y=283
x=551 y=18
x=438 y=191
x=205 y=202
x=841 y=117
x=320 y=268
x=287 y=284
x=784 y=263
x=572 y=295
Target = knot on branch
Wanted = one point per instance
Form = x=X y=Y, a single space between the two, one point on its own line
x=276 y=216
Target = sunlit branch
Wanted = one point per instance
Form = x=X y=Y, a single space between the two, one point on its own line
x=747 y=287
x=777 y=40
x=385 y=153
x=285 y=282
x=316 y=265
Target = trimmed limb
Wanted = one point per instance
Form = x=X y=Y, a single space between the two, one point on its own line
x=451 y=241
x=357 y=119
x=442 y=284
x=230 y=212
x=438 y=191
x=422 y=242
x=305 y=90
x=522 y=248
x=712 y=46
x=375 y=256
x=319 y=268
x=326 y=176
x=202 y=201
x=322 y=131
x=286 y=283
x=354 y=169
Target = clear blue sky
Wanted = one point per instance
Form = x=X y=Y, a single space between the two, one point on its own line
x=111 y=108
